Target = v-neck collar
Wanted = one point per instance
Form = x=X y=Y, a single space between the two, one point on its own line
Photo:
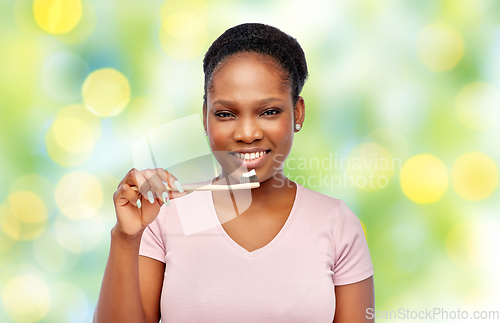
x=233 y=244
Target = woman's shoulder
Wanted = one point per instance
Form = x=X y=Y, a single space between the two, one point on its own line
x=325 y=204
x=316 y=199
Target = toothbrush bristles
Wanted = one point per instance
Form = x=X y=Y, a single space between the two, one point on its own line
x=248 y=179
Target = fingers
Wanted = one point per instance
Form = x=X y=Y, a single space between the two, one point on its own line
x=135 y=178
x=157 y=188
x=124 y=194
x=152 y=184
x=172 y=182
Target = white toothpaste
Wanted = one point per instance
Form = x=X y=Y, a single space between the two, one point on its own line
x=250 y=173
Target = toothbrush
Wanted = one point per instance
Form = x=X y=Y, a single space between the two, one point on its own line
x=247 y=181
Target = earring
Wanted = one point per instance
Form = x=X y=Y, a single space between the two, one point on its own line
x=297 y=126
x=206 y=134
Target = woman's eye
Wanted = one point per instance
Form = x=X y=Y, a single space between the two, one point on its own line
x=223 y=115
x=271 y=112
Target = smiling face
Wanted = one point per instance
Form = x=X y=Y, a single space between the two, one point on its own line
x=250 y=116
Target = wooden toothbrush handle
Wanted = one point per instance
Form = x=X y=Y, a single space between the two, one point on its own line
x=210 y=187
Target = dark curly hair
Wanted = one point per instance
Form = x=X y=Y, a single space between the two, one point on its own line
x=262 y=39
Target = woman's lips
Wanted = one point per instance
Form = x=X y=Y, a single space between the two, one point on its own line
x=256 y=162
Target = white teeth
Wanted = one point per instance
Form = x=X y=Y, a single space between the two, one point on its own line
x=250 y=156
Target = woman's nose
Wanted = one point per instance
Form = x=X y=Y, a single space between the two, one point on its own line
x=248 y=130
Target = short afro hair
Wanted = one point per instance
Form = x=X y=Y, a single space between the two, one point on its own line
x=263 y=39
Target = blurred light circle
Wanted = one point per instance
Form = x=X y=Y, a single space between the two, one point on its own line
x=39 y=185
x=84 y=28
x=183 y=25
x=106 y=92
x=80 y=112
x=61 y=156
x=474 y=176
x=173 y=41
x=439 y=47
x=463 y=245
x=28 y=207
x=26 y=298
x=370 y=165
x=183 y=33
x=72 y=136
x=424 y=179
x=63 y=74
x=24 y=216
x=79 y=195
x=51 y=255
x=79 y=236
x=57 y=16
x=171 y=6
x=69 y=304
x=478 y=106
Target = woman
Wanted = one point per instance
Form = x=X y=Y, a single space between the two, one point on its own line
x=293 y=255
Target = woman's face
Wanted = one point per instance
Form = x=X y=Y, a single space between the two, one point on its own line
x=250 y=116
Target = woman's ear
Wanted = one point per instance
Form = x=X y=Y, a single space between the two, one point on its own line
x=299 y=111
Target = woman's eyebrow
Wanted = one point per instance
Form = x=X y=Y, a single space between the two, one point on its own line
x=260 y=102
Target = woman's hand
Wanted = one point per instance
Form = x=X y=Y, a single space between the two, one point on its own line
x=136 y=210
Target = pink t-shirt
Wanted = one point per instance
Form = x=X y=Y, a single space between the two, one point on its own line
x=210 y=278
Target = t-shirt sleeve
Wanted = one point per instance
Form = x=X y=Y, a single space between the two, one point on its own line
x=352 y=256
x=152 y=243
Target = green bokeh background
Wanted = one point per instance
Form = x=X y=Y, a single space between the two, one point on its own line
x=368 y=84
